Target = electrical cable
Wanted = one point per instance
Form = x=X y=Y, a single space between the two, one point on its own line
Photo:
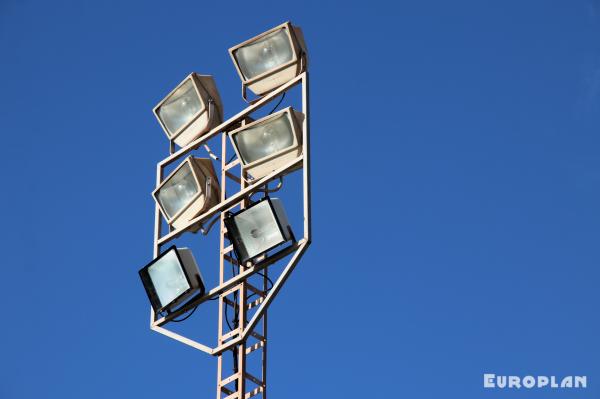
x=192 y=312
x=280 y=100
x=232 y=158
x=267 y=190
x=235 y=364
x=235 y=319
x=206 y=230
x=235 y=303
x=227 y=318
x=268 y=279
x=186 y=317
x=268 y=288
x=235 y=322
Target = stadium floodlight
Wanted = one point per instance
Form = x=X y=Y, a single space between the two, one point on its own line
x=172 y=278
x=188 y=191
x=191 y=109
x=268 y=143
x=258 y=229
x=270 y=59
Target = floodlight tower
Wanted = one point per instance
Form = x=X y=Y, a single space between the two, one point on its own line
x=254 y=236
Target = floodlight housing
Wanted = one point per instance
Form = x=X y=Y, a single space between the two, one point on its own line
x=172 y=278
x=268 y=143
x=188 y=191
x=258 y=229
x=271 y=59
x=192 y=109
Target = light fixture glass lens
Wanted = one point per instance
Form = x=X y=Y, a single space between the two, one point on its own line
x=258 y=230
x=180 y=107
x=264 y=139
x=264 y=54
x=168 y=278
x=178 y=191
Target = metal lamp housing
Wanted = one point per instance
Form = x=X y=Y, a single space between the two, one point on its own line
x=267 y=144
x=188 y=191
x=192 y=109
x=258 y=229
x=172 y=278
x=271 y=59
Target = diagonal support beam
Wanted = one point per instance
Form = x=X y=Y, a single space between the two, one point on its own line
x=229 y=283
x=268 y=299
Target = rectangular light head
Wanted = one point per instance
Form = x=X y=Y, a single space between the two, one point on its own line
x=258 y=229
x=171 y=278
x=269 y=143
x=188 y=191
x=270 y=59
x=190 y=110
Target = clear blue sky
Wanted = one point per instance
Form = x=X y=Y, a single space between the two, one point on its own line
x=456 y=196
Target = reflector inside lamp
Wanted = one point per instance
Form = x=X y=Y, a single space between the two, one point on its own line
x=168 y=278
x=178 y=191
x=180 y=108
x=258 y=229
x=264 y=139
x=264 y=54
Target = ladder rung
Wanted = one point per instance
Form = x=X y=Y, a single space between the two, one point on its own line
x=230 y=259
x=226 y=390
x=253 y=379
x=255 y=290
x=230 y=302
x=254 y=392
x=256 y=346
x=232 y=164
x=257 y=336
x=233 y=177
x=233 y=395
x=227 y=249
x=255 y=303
x=229 y=379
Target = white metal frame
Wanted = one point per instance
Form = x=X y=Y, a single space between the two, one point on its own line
x=238 y=340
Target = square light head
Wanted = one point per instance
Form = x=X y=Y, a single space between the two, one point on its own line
x=192 y=109
x=188 y=191
x=171 y=278
x=271 y=59
x=258 y=229
x=269 y=143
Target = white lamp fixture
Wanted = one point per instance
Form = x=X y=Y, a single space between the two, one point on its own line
x=269 y=143
x=258 y=229
x=191 y=109
x=172 y=278
x=270 y=59
x=188 y=191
